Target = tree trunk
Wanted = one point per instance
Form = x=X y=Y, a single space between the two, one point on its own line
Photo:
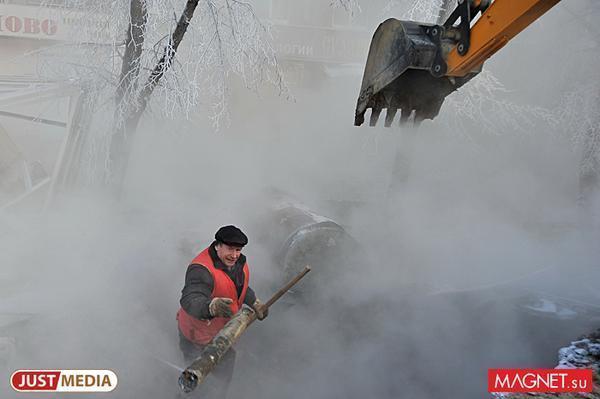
x=126 y=104
x=122 y=139
x=130 y=69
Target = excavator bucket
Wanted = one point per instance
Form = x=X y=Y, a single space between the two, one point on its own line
x=405 y=71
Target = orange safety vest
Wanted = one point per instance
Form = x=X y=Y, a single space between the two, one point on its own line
x=202 y=331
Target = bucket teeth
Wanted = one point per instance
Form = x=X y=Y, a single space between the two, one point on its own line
x=397 y=75
x=374 y=116
x=404 y=115
x=389 y=116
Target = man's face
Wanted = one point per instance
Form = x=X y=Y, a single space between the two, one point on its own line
x=228 y=254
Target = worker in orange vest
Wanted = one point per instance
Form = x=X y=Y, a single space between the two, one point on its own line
x=216 y=287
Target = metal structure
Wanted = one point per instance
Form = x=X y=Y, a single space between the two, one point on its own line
x=413 y=66
x=29 y=178
x=212 y=354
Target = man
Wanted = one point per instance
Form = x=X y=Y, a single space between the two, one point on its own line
x=216 y=287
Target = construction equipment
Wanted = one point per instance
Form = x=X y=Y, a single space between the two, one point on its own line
x=413 y=66
x=212 y=353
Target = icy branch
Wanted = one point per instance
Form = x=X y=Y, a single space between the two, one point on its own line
x=130 y=54
x=351 y=6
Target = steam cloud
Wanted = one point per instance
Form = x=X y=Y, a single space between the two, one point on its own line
x=485 y=225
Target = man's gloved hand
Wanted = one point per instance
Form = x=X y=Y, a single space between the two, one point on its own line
x=260 y=309
x=219 y=307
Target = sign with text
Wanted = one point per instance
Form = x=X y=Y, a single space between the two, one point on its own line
x=539 y=380
x=318 y=44
x=63 y=380
x=50 y=24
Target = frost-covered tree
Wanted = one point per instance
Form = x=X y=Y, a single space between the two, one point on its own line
x=170 y=55
x=351 y=6
x=579 y=113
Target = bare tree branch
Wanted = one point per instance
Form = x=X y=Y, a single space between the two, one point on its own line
x=130 y=67
x=164 y=64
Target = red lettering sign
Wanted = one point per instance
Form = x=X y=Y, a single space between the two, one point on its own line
x=32 y=25
x=13 y=24
x=31 y=380
x=63 y=380
x=539 y=380
x=27 y=25
x=49 y=27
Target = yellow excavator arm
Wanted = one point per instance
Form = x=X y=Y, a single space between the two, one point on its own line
x=413 y=66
